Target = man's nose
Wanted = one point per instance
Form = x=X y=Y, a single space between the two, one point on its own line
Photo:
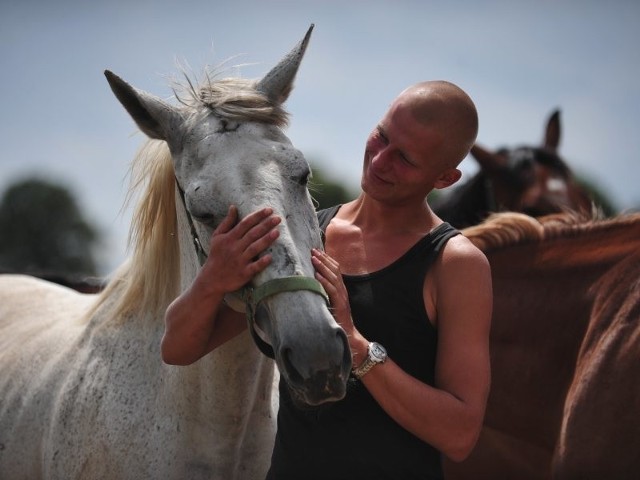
x=381 y=160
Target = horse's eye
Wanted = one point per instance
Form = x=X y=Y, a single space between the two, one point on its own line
x=302 y=179
x=206 y=219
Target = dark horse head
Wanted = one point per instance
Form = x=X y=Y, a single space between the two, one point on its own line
x=532 y=180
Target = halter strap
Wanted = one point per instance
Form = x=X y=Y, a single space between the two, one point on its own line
x=200 y=251
x=253 y=296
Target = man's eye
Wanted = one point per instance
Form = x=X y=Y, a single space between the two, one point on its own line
x=376 y=138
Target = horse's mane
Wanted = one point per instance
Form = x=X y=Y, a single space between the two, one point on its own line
x=508 y=229
x=232 y=98
x=149 y=280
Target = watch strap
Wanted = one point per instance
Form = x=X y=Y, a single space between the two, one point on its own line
x=369 y=362
x=364 y=368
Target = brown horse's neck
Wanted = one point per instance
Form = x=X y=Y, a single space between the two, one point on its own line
x=544 y=297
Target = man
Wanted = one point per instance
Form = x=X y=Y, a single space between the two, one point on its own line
x=397 y=277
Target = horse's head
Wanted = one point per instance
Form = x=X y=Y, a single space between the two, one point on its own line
x=228 y=148
x=533 y=180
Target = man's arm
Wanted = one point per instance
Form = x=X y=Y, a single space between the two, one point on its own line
x=198 y=320
x=448 y=417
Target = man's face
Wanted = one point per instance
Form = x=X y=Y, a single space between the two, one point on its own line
x=399 y=157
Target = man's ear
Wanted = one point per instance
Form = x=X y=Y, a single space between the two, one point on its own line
x=448 y=178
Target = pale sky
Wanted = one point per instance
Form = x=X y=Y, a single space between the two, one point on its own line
x=518 y=60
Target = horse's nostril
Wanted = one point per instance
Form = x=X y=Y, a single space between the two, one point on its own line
x=292 y=371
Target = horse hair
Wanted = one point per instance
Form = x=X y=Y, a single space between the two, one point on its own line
x=232 y=98
x=148 y=281
x=508 y=229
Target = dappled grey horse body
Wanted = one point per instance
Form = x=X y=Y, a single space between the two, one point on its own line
x=84 y=392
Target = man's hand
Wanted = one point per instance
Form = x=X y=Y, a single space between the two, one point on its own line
x=328 y=274
x=235 y=248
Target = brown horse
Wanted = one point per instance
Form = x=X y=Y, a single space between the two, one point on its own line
x=532 y=180
x=565 y=346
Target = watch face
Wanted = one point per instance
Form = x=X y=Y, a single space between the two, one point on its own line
x=378 y=351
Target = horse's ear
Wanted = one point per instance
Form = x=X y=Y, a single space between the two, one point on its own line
x=488 y=161
x=156 y=118
x=552 y=132
x=278 y=83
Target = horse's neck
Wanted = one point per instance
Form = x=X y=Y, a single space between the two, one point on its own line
x=543 y=305
x=224 y=408
x=236 y=368
x=466 y=204
x=229 y=382
x=595 y=250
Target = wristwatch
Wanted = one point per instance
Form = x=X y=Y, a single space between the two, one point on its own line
x=376 y=354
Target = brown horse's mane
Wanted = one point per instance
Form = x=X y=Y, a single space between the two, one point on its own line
x=502 y=230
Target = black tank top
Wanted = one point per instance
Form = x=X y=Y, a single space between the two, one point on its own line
x=354 y=438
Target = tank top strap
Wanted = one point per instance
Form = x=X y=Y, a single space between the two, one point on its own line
x=440 y=235
x=424 y=253
x=324 y=217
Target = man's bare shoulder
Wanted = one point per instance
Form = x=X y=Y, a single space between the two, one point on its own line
x=463 y=271
x=462 y=267
x=459 y=250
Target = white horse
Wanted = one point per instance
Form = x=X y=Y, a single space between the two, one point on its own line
x=84 y=393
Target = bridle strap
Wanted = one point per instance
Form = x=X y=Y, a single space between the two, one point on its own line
x=253 y=296
x=200 y=251
x=285 y=284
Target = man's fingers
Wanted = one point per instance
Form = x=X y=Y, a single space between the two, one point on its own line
x=229 y=221
x=264 y=229
x=258 y=246
x=257 y=226
x=324 y=262
x=251 y=221
x=259 y=265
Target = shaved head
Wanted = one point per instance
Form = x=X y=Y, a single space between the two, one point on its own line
x=448 y=109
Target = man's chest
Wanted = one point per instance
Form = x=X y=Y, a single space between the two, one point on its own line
x=359 y=253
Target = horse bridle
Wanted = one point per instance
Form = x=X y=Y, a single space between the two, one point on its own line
x=253 y=296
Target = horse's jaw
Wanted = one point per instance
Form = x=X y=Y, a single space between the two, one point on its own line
x=235 y=301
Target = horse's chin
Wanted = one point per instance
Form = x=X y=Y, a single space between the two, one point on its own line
x=311 y=380
x=323 y=388
x=303 y=401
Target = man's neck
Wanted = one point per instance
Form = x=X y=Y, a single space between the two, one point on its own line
x=374 y=217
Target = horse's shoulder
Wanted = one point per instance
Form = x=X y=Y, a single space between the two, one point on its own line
x=22 y=284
